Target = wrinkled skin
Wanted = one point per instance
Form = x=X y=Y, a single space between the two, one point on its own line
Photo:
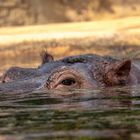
x=75 y=72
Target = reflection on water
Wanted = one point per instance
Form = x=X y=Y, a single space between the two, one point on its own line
x=112 y=113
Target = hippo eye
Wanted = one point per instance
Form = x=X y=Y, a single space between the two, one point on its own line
x=65 y=79
x=68 y=82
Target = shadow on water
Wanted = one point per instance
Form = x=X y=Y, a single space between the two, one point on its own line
x=112 y=113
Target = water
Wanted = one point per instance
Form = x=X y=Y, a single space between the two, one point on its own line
x=101 y=114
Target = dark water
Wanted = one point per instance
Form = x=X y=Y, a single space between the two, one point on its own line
x=105 y=114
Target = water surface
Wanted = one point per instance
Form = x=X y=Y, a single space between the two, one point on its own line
x=112 y=113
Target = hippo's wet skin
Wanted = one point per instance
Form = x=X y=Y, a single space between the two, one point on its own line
x=74 y=72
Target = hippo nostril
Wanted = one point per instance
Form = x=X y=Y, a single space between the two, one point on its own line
x=68 y=82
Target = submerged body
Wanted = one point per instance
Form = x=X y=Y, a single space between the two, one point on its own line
x=74 y=72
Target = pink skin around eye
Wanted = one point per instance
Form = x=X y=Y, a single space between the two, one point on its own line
x=78 y=82
x=62 y=81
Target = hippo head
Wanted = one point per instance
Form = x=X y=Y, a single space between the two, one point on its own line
x=74 y=72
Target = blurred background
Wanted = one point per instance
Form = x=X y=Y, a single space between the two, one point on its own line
x=29 y=12
x=67 y=27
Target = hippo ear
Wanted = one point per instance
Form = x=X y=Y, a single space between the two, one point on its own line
x=122 y=68
x=117 y=73
x=46 y=57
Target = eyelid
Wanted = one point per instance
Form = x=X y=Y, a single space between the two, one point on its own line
x=63 y=76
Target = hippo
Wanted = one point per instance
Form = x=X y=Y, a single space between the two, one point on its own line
x=87 y=71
